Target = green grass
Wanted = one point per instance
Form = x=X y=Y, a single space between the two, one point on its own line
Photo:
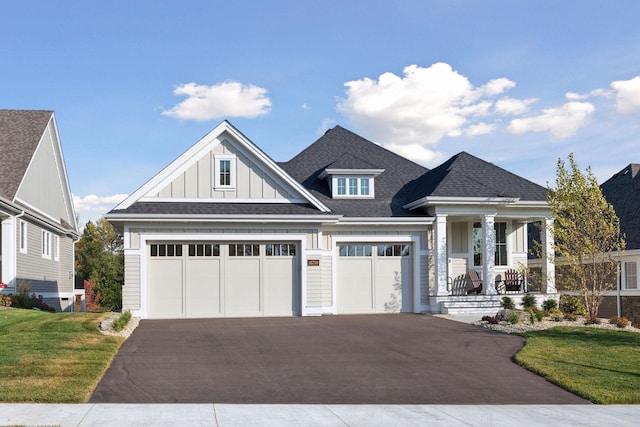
x=52 y=357
x=598 y=364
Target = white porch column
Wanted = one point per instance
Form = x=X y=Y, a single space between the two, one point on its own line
x=488 y=255
x=8 y=247
x=440 y=250
x=548 y=266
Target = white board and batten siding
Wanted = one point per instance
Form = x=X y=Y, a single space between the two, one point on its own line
x=252 y=181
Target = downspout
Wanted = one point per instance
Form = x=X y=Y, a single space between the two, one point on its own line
x=619 y=285
x=15 y=257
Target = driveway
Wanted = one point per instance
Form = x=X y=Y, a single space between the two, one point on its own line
x=368 y=359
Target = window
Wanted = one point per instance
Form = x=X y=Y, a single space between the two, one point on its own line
x=364 y=186
x=23 y=237
x=353 y=187
x=56 y=248
x=166 y=250
x=244 y=249
x=500 y=255
x=393 y=250
x=354 y=250
x=46 y=244
x=280 y=249
x=631 y=275
x=501 y=243
x=204 y=250
x=224 y=170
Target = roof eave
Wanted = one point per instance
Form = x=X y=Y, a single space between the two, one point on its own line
x=447 y=200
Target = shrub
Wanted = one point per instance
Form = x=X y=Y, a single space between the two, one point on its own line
x=514 y=319
x=555 y=314
x=571 y=304
x=491 y=319
x=91 y=297
x=507 y=303
x=549 y=304
x=30 y=301
x=620 y=322
x=529 y=301
x=539 y=315
x=532 y=316
x=5 y=301
x=122 y=321
x=592 y=321
x=571 y=317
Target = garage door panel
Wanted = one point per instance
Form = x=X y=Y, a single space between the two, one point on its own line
x=242 y=294
x=203 y=290
x=392 y=290
x=279 y=277
x=355 y=290
x=164 y=283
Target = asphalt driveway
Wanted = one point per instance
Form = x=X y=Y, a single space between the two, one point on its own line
x=369 y=359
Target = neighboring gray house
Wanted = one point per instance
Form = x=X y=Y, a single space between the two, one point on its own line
x=344 y=227
x=36 y=210
x=622 y=190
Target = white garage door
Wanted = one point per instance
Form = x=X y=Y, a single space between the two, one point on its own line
x=374 y=278
x=222 y=280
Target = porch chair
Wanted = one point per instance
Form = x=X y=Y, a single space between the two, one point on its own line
x=475 y=281
x=513 y=282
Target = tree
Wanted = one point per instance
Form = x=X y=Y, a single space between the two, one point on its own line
x=100 y=259
x=586 y=235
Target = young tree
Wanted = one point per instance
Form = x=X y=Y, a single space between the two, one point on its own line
x=586 y=233
x=100 y=259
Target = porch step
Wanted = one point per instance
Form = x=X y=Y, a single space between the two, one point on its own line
x=488 y=305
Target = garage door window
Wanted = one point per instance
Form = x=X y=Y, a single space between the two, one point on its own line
x=354 y=250
x=244 y=249
x=393 y=250
x=280 y=249
x=204 y=249
x=158 y=250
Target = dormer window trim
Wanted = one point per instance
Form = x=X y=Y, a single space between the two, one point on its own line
x=352 y=187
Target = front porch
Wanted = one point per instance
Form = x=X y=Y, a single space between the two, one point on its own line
x=483 y=304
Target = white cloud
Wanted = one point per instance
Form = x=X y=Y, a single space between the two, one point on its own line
x=92 y=207
x=419 y=108
x=479 y=129
x=573 y=96
x=560 y=122
x=416 y=152
x=512 y=107
x=226 y=99
x=627 y=95
x=325 y=125
x=305 y=106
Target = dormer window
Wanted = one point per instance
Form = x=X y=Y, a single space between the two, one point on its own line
x=352 y=186
x=351 y=178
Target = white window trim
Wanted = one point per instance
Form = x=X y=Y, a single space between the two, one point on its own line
x=217 y=158
x=46 y=244
x=23 y=237
x=359 y=195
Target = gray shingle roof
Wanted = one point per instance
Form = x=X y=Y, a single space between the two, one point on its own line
x=622 y=190
x=20 y=133
x=464 y=175
x=339 y=146
x=212 y=208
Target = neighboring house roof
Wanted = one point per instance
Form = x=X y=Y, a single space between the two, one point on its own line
x=622 y=190
x=464 y=175
x=20 y=133
x=33 y=175
x=339 y=148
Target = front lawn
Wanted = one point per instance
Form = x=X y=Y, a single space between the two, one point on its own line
x=52 y=357
x=598 y=364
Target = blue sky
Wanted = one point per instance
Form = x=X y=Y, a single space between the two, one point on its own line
x=517 y=83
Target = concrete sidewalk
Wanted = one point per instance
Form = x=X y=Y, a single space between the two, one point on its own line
x=315 y=415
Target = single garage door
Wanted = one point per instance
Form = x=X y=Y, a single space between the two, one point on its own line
x=374 y=278
x=222 y=279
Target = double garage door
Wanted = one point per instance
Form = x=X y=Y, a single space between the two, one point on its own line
x=374 y=278
x=211 y=279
